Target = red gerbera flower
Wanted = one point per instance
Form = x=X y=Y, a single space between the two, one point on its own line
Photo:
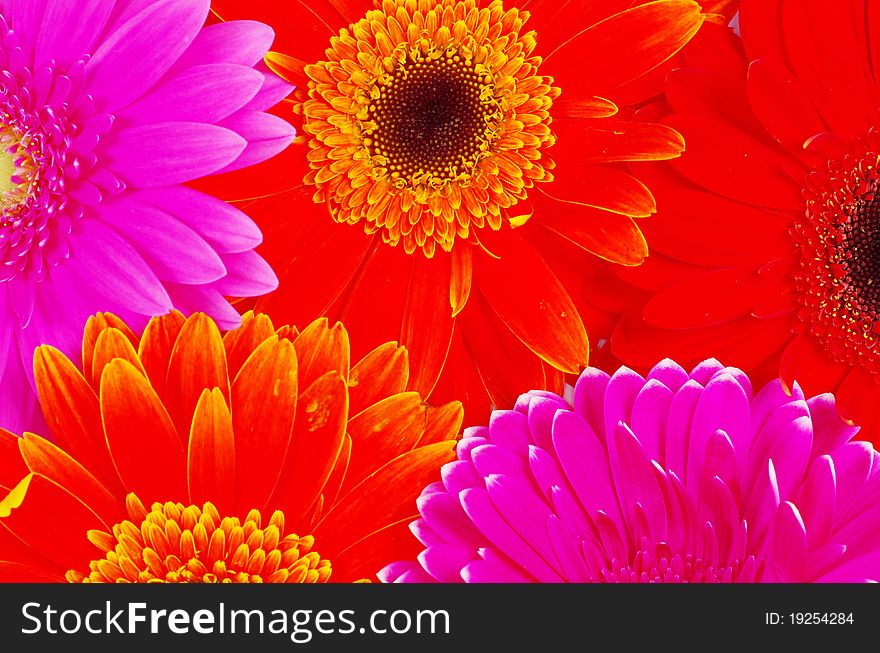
x=457 y=162
x=766 y=238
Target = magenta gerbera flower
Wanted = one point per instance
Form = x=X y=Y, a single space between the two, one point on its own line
x=106 y=108
x=673 y=478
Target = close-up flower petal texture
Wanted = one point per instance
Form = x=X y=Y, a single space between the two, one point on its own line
x=107 y=108
x=267 y=455
x=674 y=477
x=457 y=161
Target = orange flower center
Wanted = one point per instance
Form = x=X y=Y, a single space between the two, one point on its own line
x=428 y=121
x=839 y=272
x=16 y=173
x=173 y=543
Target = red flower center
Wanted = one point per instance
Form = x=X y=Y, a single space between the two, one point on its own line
x=839 y=270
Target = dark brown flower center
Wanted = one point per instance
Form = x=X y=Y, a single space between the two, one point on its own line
x=432 y=119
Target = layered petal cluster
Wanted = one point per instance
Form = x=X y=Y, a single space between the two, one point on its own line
x=458 y=161
x=764 y=246
x=264 y=455
x=107 y=108
x=673 y=477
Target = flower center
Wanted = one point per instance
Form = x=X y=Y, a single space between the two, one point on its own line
x=173 y=543
x=17 y=174
x=838 y=277
x=426 y=125
x=432 y=120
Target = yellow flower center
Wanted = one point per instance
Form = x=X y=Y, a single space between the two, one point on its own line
x=173 y=543
x=428 y=121
x=16 y=173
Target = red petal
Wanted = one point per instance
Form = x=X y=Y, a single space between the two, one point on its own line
x=623 y=47
x=761 y=26
x=427 y=303
x=711 y=298
x=606 y=140
x=461 y=381
x=782 y=106
x=372 y=309
x=317 y=272
x=527 y=296
x=12 y=467
x=730 y=162
x=145 y=447
x=825 y=54
x=507 y=368
x=364 y=558
x=52 y=521
x=13 y=572
x=602 y=187
x=608 y=235
x=384 y=498
x=461 y=277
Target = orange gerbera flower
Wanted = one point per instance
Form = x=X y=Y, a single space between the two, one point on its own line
x=184 y=457
x=457 y=161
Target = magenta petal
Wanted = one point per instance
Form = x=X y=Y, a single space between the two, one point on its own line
x=390 y=573
x=623 y=388
x=243 y=42
x=445 y=562
x=678 y=428
x=266 y=136
x=174 y=251
x=482 y=512
x=589 y=397
x=248 y=275
x=818 y=500
x=204 y=299
x=830 y=431
x=228 y=230
x=669 y=373
x=135 y=56
x=169 y=153
x=105 y=262
x=207 y=93
x=510 y=429
x=68 y=30
x=444 y=516
x=650 y=414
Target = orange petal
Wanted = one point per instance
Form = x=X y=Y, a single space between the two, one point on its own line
x=44 y=458
x=73 y=413
x=320 y=349
x=146 y=449
x=264 y=400
x=317 y=440
x=198 y=361
x=113 y=343
x=337 y=476
x=461 y=276
x=382 y=432
x=52 y=521
x=427 y=321
x=211 y=456
x=593 y=107
x=242 y=342
x=385 y=497
x=94 y=326
x=382 y=373
x=156 y=345
x=287 y=68
x=530 y=300
x=443 y=423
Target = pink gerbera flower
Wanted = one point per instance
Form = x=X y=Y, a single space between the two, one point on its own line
x=106 y=108
x=672 y=478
